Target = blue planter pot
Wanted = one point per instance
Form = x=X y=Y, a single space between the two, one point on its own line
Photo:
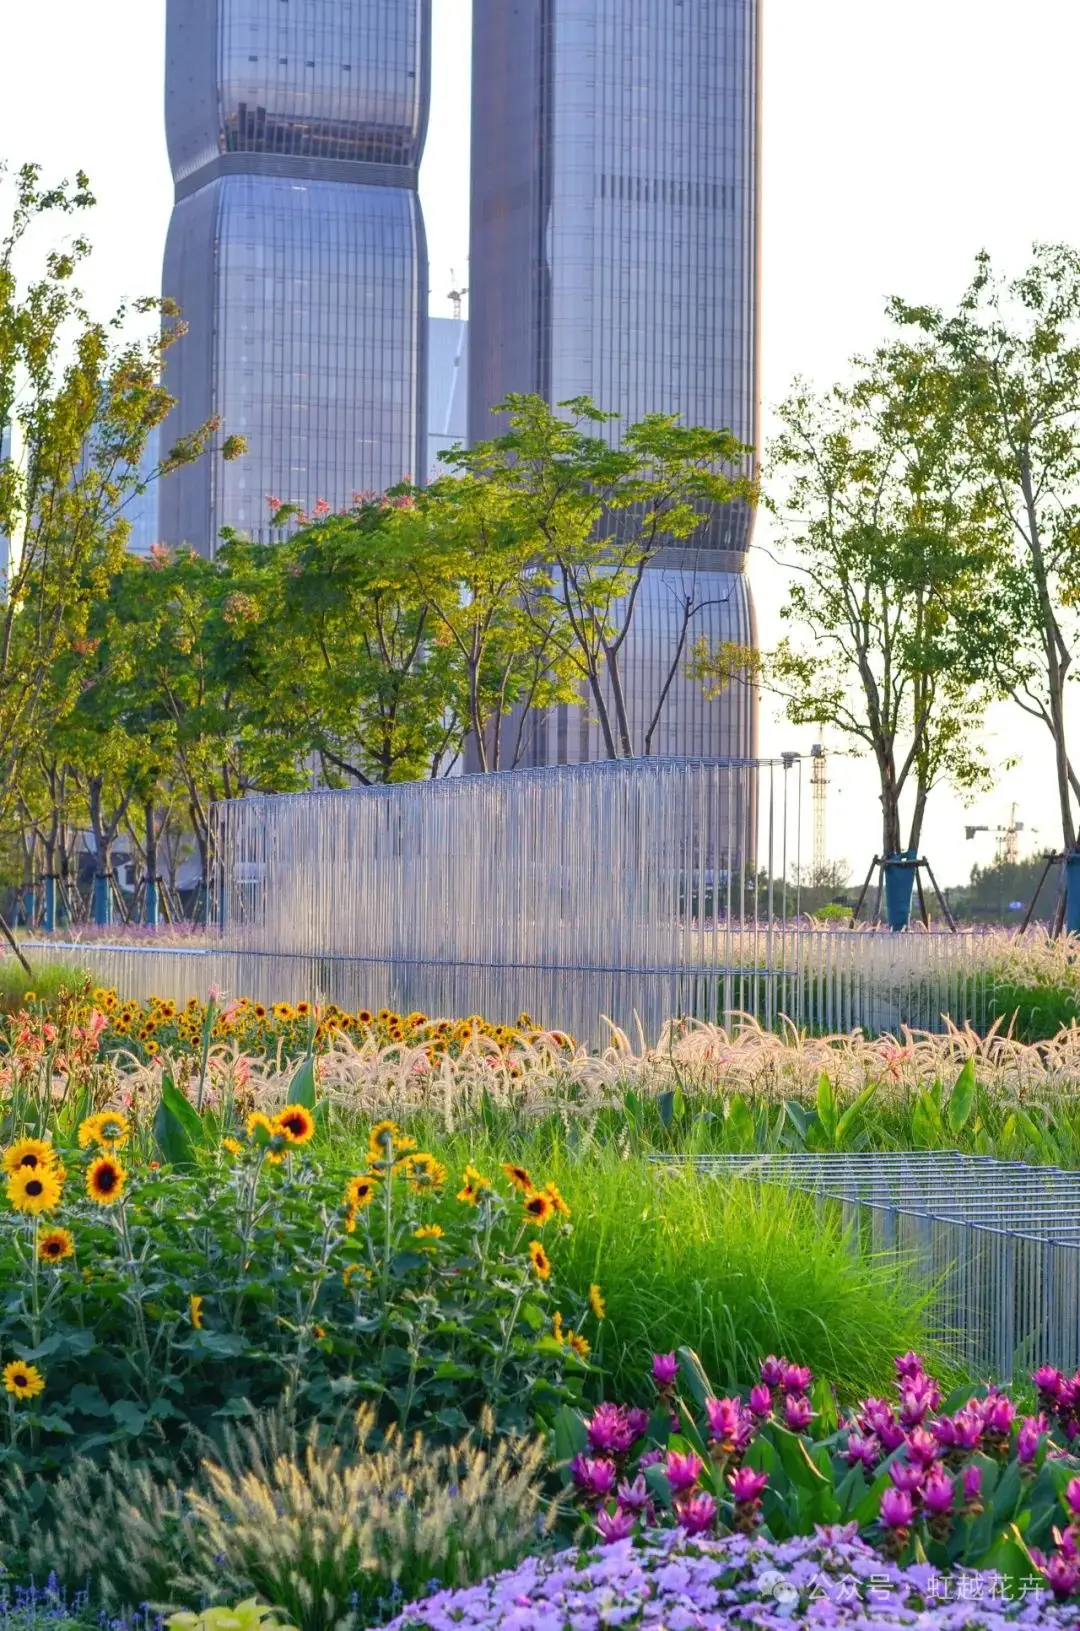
x=899 y=883
x=102 y=900
x=1072 y=892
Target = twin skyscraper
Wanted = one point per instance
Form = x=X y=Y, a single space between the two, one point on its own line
x=614 y=254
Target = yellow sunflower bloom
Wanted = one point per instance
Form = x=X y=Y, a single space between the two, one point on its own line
x=29 y=1153
x=105 y=1180
x=422 y=1171
x=577 y=1344
x=428 y=1231
x=232 y=1145
x=553 y=1195
x=556 y=1327
x=473 y=1186
x=519 y=1177
x=296 y=1124
x=56 y=1244
x=109 y=1130
x=258 y=1123
x=540 y=1261
x=596 y=1302
x=195 y=1311
x=538 y=1209
x=34 y=1190
x=361 y=1191
x=24 y=1381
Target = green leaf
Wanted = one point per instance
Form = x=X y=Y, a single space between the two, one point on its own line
x=129 y=1416
x=693 y=1377
x=89 y=1401
x=570 y=1436
x=178 y=1129
x=740 y=1119
x=302 y=1086
x=826 y=1106
x=853 y=1112
x=962 y=1099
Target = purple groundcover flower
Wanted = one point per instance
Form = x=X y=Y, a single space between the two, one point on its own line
x=700 y=1583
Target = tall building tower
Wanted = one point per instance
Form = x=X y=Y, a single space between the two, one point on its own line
x=296 y=251
x=614 y=254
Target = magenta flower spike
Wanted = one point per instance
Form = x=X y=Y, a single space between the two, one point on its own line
x=1049 y=1381
x=724 y=1416
x=972 y=1483
x=908 y=1365
x=863 y=1450
x=747 y=1485
x=906 y=1475
x=615 y=1526
x=923 y=1447
x=897 y=1509
x=760 y=1400
x=683 y=1471
x=797 y=1414
x=665 y=1368
x=594 y=1476
x=796 y=1378
x=772 y=1371
x=937 y=1493
x=697 y=1515
x=634 y=1497
x=1027 y=1441
x=1072 y=1497
x=609 y=1431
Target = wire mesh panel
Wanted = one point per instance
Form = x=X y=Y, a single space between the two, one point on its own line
x=634 y=891
x=995 y=1244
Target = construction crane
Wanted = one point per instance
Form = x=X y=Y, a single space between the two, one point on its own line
x=819 y=783
x=456 y=296
x=1006 y=839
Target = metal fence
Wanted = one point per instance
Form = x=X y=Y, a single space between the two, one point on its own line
x=996 y=1244
x=637 y=890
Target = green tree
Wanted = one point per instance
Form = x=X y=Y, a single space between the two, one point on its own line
x=869 y=487
x=1010 y=355
x=599 y=516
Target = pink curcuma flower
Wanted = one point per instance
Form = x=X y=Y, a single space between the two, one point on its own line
x=683 y=1471
x=696 y=1515
x=772 y=1371
x=747 y=1485
x=972 y=1484
x=908 y=1365
x=897 y=1509
x=760 y=1400
x=796 y=1378
x=595 y=1477
x=1027 y=1442
x=905 y=1475
x=937 y=1493
x=1062 y=1573
x=798 y=1414
x=634 y=1497
x=609 y=1431
x=863 y=1451
x=1049 y=1382
x=1072 y=1497
x=614 y=1526
x=637 y=1420
x=665 y=1368
x=923 y=1447
x=725 y=1419
x=998 y=1415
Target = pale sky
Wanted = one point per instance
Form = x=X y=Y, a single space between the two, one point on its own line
x=899 y=140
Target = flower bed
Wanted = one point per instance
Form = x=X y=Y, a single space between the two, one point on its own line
x=828 y=1579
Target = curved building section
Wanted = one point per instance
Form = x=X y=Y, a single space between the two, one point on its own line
x=296 y=252
x=615 y=239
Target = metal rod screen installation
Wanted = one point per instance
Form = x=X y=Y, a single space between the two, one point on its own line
x=996 y=1243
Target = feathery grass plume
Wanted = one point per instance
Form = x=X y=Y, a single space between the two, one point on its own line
x=326 y=1536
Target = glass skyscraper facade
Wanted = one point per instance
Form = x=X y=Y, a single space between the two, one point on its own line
x=615 y=254
x=296 y=252
x=448 y=390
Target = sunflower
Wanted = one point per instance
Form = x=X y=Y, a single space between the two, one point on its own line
x=422 y=1171
x=24 y=1381
x=303 y=1009
x=109 y=1130
x=577 y=1344
x=538 y=1208
x=28 y=1154
x=473 y=1186
x=34 y=1189
x=295 y=1123
x=195 y=1311
x=361 y=1191
x=258 y=1123
x=233 y=1145
x=382 y=1139
x=540 y=1261
x=428 y=1231
x=596 y=1302
x=283 y=1012
x=364 y=1017
x=259 y=1011
x=105 y=1180
x=553 y=1195
x=556 y=1327
x=519 y=1177
x=56 y=1244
